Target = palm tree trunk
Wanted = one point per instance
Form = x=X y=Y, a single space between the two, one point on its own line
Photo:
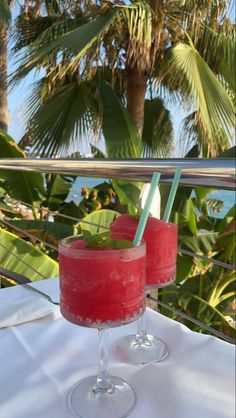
x=3 y=80
x=136 y=90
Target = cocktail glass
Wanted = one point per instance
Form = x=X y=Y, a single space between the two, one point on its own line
x=161 y=252
x=101 y=288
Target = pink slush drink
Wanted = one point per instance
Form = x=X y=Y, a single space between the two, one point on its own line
x=101 y=287
x=161 y=247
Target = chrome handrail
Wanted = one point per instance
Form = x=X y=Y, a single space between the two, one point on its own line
x=214 y=173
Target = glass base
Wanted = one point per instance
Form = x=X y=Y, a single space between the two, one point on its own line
x=85 y=402
x=152 y=350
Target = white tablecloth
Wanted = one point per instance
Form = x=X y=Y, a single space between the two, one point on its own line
x=41 y=360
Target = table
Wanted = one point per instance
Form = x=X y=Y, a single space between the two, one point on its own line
x=41 y=360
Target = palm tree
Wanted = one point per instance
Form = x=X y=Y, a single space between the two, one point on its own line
x=5 y=16
x=180 y=50
x=5 y=19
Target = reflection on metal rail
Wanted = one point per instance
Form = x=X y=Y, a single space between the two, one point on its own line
x=215 y=173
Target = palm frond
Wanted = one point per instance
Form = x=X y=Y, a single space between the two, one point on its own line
x=211 y=31
x=43 y=95
x=139 y=22
x=76 y=43
x=158 y=135
x=214 y=106
x=62 y=122
x=193 y=132
x=119 y=130
x=219 y=52
x=227 y=65
x=53 y=6
x=5 y=14
x=26 y=31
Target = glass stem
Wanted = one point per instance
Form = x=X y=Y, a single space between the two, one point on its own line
x=141 y=335
x=103 y=383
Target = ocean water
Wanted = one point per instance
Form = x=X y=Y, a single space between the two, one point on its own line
x=227 y=196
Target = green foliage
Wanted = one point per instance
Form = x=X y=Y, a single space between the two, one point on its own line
x=229 y=153
x=103 y=240
x=128 y=194
x=64 y=116
x=203 y=85
x=184 y=51
x=202 y=289
x=58 y=188
x=185 y=217
x=19 y=184
x=103 y=218
x=121 y=136
x=158 y=135
x=122 y=141
x=14 y=252
x=76 y=42
x=5 y=14
x=50 y=232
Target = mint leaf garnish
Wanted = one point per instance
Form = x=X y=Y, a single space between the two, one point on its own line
x=103 y=240
x=117 y=244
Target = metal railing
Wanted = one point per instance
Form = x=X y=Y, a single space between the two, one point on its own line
x=196 y=172
x=215 y=173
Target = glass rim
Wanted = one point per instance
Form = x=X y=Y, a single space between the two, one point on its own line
x=128 y=228
x=97 y=250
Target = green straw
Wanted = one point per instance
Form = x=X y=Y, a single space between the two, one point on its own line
x=172 y=194
x=145 y=213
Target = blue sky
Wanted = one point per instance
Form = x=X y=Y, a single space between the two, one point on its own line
x=18 y=97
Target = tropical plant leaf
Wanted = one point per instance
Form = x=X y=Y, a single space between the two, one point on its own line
x=23 y=258
x=218 y=50
x=5 y=13
x=229 y=153
x=223 y=224
x=203 y=243
x=97 y=153
x=215 y=108
x=193 y=131
x=139 y=23
x=187 y=216
x=128 y=194
x=71 y=210
x=20 y=185
x=26 y=31
x=158 y=135
x=59 y=190
x=103 y=217
x=122 y=141
x=77 y=42
x=60 y=123
x=184 y=265
x=49 y=231
x=119 y=130
x=227 y=247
